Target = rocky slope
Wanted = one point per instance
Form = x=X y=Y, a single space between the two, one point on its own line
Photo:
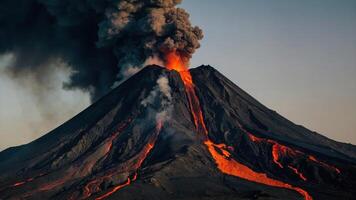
x=141 y=141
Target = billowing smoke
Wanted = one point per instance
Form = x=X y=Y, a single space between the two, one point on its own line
x=101 y=40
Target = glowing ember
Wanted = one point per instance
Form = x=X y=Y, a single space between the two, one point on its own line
x=220 y=152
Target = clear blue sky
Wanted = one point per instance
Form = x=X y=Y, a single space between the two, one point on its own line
x=297 y=57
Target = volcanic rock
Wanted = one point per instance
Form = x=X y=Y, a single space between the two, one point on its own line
x=140 y=141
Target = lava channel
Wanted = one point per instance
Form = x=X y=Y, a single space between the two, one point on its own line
x=144 y=153
x=279 y=150
x=20 y=183
x=225 y=163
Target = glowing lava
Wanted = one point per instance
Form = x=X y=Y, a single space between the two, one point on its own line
x=94 y=184
x=26 y=181
x=228 y=165
x=275 y=155
x=296 y=171
x=279 y=151
x=138 y=163
x=220 y=152
x=312 y=158
x=128 y=182
x=175 y=62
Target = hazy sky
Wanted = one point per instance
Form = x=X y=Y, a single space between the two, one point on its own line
x=297 y=57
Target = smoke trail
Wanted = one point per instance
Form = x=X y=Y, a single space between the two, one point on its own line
x=100 y=40
x=160 y=95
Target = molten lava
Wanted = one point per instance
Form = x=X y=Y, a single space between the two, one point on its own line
x=94 y=184
x=115 y=189
x=279 y=151
x=219 y=152
x=175 y=62
x=296 y=171
x=275 y=155
x=138 y=163
x=231 y=167
x=128 y=182
x=17 y=184
x=312 y=158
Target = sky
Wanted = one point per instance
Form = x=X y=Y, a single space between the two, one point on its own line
x=297 y=57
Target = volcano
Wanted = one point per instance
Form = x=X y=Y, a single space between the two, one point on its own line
x=167 y=134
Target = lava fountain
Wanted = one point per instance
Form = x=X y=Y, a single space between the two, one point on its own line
x=219 y=152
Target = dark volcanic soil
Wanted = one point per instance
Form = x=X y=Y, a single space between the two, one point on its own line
x=116 y=149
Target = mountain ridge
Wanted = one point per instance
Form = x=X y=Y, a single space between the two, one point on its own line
x=253 y=101
x=116 y=148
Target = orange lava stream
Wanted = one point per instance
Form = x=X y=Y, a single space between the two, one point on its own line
x=175 y=62
x=219 y=152
x=312 y=158
x=296 y=171
x=275 y=155
x=279 y=150
x=108 y=147
x=115 y=189
x=229 y=166
x=145 y=151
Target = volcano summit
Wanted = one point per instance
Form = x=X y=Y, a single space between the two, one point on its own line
x=178 y=134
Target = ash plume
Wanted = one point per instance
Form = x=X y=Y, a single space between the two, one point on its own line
x=102 y=41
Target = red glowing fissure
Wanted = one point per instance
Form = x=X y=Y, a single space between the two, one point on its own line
x=20 y=183
x=296 y=171
x=219 y=152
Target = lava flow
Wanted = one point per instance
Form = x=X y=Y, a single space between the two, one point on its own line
x=128 y=182
x=175 y=62
x=279 y=150
x=142 y=157
x=219 y=152
x=20 y=183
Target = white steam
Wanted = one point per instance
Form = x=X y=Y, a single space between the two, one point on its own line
x=129 y=71
x=161 y=94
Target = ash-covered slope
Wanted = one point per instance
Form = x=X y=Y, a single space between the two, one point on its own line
x=141 y=142
x=221 y=99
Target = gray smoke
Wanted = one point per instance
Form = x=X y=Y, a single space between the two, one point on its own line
x=101 y=40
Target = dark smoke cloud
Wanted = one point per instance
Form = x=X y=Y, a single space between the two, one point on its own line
x=98 y=39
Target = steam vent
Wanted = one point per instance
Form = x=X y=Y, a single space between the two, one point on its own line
x=174 y=133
